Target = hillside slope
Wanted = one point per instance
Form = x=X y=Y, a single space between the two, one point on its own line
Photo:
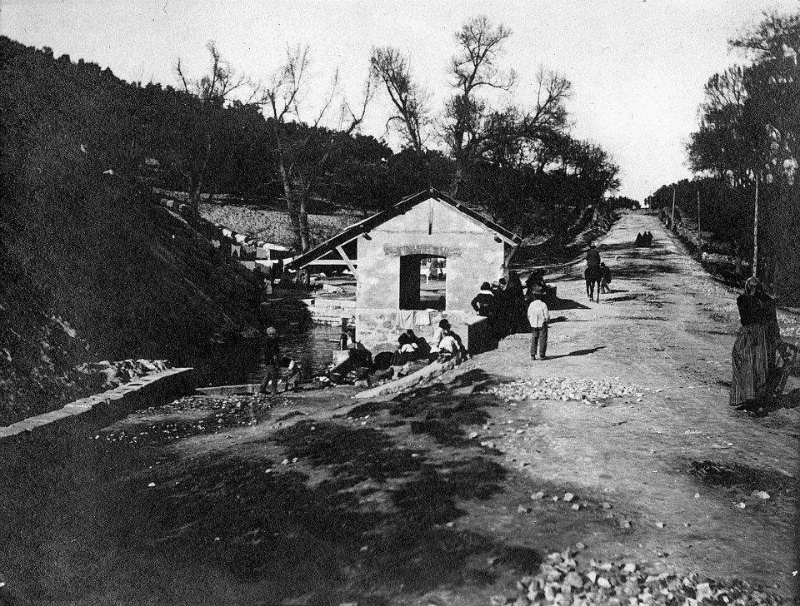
x=93 y=268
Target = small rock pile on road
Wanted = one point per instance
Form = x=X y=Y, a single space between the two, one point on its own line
x=564 y=581
x=565 y=389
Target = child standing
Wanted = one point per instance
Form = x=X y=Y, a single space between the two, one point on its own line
x=538 y=316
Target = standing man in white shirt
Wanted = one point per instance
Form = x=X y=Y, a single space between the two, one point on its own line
x=538 y=316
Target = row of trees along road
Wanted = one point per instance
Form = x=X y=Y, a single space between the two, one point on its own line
x=746 y=147
x=519 y=162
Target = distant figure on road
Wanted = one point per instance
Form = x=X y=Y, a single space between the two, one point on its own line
x=272 y=359
x=755 y=349
x=539 y=317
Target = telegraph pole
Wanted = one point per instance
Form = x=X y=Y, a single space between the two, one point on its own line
x=672 y=220
x=699 y=233
x=755 y=234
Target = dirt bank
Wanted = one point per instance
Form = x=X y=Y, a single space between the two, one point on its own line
x=449 y=495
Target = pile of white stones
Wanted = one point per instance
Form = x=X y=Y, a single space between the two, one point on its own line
x=563 y=580
x=565 y=389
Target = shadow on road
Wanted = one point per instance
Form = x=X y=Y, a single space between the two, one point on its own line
x=325 y=509
x=578 y=352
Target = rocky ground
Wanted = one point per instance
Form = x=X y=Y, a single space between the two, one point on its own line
x=613 y=472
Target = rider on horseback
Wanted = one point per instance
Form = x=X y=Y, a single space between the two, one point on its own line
x=593 y=274
x=593 y=257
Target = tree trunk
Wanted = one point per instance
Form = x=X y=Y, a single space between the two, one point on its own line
x=458 y=178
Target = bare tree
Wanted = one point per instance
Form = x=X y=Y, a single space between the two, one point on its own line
x=217 y=85
x=473 y=68
x=301 y=158
x=213 y=89
x=412 y=116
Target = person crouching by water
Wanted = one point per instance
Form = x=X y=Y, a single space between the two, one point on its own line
x=755 y=349
x=539 y=317
x=272 y=358
x=445 y=344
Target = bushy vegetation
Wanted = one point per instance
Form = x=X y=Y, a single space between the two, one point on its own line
x=747 y=141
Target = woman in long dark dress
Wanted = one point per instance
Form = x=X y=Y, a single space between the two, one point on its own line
x=754 y=352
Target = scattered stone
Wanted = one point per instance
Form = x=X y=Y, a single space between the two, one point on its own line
x=606 y=505
x=473 y=435
x=576 y=507
x=568 y=496
x=151 y=484
x=741 y=505
x=580 y=546
x=537 y=496
x=523 y=509
x=660 y=524
x=759 y=494
x=629 y=567
x=565 y=389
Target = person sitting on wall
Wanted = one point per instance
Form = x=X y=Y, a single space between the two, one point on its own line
x=486 y=304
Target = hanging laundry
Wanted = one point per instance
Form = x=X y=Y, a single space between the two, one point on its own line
x=422 y=318
x=227 y=232
x=236 y=250
x=241 y=238
x=406 y=318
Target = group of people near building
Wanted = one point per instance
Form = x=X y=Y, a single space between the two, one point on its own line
x=444 y=345
x=645 y=239
x=505 y=303
x=510 y=308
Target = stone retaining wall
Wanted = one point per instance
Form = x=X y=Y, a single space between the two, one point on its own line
x=107 y=405
x=274 y=226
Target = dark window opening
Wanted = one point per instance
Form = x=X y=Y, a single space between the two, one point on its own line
x=423 y=282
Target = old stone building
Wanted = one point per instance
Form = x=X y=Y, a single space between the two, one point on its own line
x=422 y=260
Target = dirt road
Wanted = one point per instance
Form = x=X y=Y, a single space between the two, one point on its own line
x=427 y=498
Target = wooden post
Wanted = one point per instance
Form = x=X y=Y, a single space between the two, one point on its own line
x=672 y=220
x=755 y=234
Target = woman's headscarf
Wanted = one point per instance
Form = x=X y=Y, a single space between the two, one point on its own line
x=752 y=286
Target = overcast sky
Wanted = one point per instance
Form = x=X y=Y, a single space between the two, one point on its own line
x=637 y=66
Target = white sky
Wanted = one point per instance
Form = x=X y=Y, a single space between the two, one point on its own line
x=637 y=66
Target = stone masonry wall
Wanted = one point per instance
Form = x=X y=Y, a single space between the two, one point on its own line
x=432 y=227
x=272 y=225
